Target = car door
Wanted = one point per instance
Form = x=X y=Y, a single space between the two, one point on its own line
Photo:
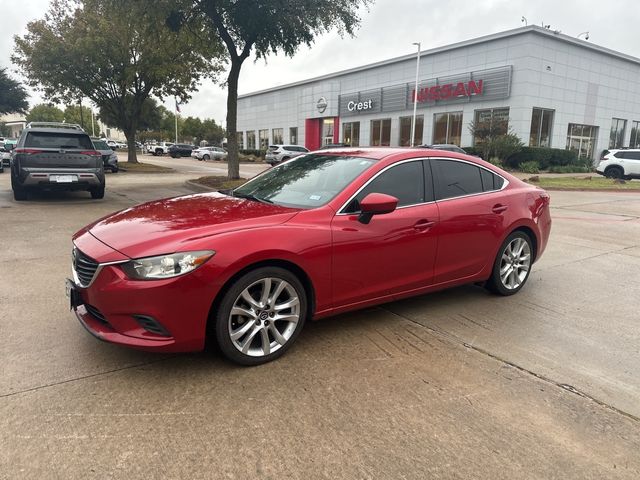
x=632 y=163
x=395 y=252
x=471 y=208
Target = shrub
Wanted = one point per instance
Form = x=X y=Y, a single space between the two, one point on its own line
x=546 y=157
x=504 y=146
x=531 y=166
x=256 y=153
x=473 y=151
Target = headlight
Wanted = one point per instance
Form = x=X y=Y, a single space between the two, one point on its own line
x=166 y=266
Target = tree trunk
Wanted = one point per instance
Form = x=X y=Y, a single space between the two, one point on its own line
x=131 y=145
x=232 y=119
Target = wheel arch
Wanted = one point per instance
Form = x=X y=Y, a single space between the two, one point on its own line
x=532 y=235
x=274 y=262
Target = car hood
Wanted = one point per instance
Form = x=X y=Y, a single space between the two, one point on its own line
x=170 y=225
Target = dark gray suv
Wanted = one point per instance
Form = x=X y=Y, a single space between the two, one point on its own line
x=56 y=156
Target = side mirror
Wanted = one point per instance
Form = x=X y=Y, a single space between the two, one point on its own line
x=376 y=204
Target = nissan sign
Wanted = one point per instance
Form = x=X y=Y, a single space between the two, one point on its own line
x=322 y=104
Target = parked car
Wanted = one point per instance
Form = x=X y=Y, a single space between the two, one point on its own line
x=623 y=163
x=181 y=150
x=319 y=235
x=109 y=157
x=56 y=157
x=114 y=145
x=160 y=148
x=208 y=153
x=7 y=146
x=281 y=153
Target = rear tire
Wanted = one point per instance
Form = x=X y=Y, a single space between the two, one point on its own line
x=614 y=173
x=97 y=193
x=512 y=265
x=206 y=157
x=272 y=306
x=19 y=192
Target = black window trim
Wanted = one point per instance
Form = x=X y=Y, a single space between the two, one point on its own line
x=504 y=185
x=388 y=167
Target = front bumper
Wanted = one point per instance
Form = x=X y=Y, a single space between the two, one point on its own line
x=128 y=312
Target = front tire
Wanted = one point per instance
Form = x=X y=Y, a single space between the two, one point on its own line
x=512 y=265
x=206 y=157
x=261 y=316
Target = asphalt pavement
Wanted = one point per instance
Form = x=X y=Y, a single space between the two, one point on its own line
x=457 y=384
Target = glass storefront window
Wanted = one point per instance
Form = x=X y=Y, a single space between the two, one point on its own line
x=541 y=124
x=277 y=134
x=327 y=130
x=251 y=140
x=264 y=139
x=405 y=131
x=351 y=134
x=447 y=128
x=381 y=133
x=634 y=141
x=616 y=137
x=293 y=135
x=240 y=141
x=490 y=123
x=582 y=139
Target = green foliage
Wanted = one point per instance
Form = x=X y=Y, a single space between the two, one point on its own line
x=530 y=167
x=504 y=146
x=116 y=53
x=477 y=151
x=255 y=153
x=13 y=96
x=546 y=157
x=72 y=115
x=264 y=27
x=45 y=112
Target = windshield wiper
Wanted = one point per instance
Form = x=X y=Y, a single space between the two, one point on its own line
x=250 y=196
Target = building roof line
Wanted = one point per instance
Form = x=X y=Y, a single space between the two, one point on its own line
x=465 y=43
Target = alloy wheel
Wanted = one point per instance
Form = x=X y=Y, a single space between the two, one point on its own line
x=515 y=263
x=264 y=317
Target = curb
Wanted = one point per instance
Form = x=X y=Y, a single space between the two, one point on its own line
x=197 y=187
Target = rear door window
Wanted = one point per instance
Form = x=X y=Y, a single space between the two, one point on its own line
x=58 y=140
x=456 y=179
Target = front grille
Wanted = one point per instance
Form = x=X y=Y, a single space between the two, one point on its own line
x=84 y=266
x=97 y=314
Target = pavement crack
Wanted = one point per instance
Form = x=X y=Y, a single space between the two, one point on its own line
x=84 y=377
x=569 y=388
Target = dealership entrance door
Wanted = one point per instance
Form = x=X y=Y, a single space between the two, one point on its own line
x=321 y=131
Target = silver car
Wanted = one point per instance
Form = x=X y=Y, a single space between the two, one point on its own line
x=208 y=153
x=109 y=157
x=281 y=153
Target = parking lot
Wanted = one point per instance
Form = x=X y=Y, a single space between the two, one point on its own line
x=457 y=384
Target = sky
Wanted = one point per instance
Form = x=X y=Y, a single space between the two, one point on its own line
x=388 y=29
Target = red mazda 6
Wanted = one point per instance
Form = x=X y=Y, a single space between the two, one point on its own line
x=321 y=234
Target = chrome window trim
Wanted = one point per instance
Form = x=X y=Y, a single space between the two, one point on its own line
x=504 y=185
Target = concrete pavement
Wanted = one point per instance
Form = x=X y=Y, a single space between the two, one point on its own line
x=458 y=384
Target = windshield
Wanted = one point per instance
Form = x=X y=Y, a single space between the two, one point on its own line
x=307 y=181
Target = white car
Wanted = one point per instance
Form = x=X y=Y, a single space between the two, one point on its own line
x=159 y=148
x=281 y=153
x=208 y=153
x=620 y=164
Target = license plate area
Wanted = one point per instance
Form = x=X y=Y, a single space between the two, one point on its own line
x=75 y=300
x=63 y=178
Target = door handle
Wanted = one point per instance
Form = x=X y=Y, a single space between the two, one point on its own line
x=499 y=208
x=422 y=225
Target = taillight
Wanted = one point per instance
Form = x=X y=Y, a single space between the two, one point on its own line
x=28 y=151
x=93 y=153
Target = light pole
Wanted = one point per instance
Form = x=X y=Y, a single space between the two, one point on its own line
x=415 y=96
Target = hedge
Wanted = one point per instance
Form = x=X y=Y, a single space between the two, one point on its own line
x=473 y=151
x=255 y=153
x=546 y=157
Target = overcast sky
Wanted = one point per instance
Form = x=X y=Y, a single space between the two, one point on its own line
x=388 y=30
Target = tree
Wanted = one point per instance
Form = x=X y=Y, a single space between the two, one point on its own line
x=264 y=26
x=45 y=112
x=150 y=116
x=13 y=96
x=72 y=115
x=116 y=53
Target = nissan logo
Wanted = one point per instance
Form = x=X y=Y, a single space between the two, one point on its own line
x=322 y=104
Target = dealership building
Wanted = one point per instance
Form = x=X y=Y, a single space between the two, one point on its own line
x=550 y=89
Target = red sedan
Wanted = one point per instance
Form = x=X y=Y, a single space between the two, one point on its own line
x=322 y=234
